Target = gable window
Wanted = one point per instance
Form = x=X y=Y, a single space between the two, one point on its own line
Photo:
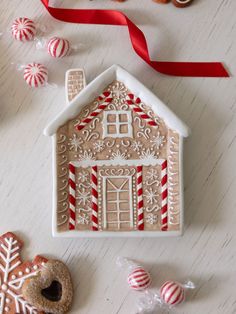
x=117 y=124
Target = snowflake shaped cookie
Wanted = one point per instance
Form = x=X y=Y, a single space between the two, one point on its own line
x=13 y=273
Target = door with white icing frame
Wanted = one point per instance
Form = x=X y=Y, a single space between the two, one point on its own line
x=117 y=203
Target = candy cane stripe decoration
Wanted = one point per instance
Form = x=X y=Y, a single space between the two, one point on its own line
x=140 y=198
x=105 y=99
x=164 y=196
x=134 y=103
x=23 y=29
x=72 y=201
x=94 y=182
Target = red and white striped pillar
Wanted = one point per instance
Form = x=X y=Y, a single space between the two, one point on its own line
x=140 y=220
x=164 y=197
x=94 y=203
x=106 y=99
x=72 y=187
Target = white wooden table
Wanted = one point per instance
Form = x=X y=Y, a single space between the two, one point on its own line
x=206 y=253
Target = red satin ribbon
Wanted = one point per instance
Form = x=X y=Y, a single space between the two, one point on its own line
x=138 y=40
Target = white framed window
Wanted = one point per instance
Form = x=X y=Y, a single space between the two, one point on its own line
x=117 y=123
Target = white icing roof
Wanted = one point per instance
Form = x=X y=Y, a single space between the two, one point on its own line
x=93 y=89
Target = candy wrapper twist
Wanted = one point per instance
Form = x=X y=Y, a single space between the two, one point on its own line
x=170 y=294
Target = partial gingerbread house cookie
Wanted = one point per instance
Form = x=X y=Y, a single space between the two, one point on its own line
x=117 y=162
x=13 y=274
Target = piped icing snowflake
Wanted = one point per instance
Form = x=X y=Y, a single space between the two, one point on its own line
x=152 y=219
x=83 y=176
x=99 y=146
x=13 y=273
x=75 y=143
x=151 y=195
x=158 y=141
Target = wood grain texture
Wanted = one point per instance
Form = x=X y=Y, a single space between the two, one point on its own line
x=205 y=31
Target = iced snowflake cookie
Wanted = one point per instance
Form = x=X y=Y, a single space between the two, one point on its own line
x=117 y=152
x=13 y=273
x=51 y=289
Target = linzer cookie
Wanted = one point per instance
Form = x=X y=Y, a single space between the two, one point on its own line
x=117 y=152
x=51 y=289
x=13 y=274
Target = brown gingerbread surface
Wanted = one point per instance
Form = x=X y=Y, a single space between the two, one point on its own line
x=115 y=143
x=13 y=273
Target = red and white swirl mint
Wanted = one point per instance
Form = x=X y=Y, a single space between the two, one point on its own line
x=23 y=29
x=139 y=279
x=172 y=293
x=35 y=74
x=58 y=47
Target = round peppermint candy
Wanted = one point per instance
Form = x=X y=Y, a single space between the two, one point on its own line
x=139 y=279
x=58 y=47
x=172 y=293
x=23 y=29
x=35 y=74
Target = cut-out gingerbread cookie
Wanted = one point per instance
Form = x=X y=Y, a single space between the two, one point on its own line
x=13 y=273
x=117 y=152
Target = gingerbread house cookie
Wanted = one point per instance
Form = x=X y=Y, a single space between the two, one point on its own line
x=117 y=162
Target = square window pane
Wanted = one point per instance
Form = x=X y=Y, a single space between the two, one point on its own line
x=123 y=128
x=111 y=217
x=124 y=196
x=123 y=117
x=111 y=129
x=124 y=217
x=124 y=206
x=111 y=118
x=111 y=207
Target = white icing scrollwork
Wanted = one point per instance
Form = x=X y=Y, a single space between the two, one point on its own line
x=173 y=191
x=144 y=133
x=117 y=172
x=141 y=123
x=152 y=209
x=64 y=208
x=125 y=143
x=61 y=138
x=63 y=220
